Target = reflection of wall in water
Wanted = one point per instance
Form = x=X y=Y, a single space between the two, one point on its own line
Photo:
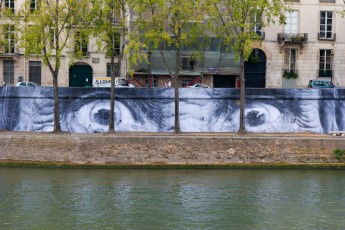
x=152 y=110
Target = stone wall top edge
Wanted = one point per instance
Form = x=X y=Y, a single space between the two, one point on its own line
x=162 y=93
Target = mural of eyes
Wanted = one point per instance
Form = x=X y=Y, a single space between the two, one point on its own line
x=281 y=116
x=93 y=116
x=259 y=117
x=208 y=110
x=261 y=114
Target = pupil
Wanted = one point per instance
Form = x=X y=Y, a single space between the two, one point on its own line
x=254 y=118
x=102 y=116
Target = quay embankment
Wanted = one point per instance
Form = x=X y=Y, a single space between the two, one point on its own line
x=170 y=150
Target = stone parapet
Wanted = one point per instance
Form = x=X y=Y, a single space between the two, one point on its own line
x=139 y=149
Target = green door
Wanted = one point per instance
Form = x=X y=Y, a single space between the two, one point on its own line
x=80 y=75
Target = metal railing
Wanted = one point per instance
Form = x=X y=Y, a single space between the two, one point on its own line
x=296 y=38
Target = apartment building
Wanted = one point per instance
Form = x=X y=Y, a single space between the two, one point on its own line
x=310 y=46
x=74 y=72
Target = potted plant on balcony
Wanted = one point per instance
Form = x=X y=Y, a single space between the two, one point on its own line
x=290 y=74
x=297 y=38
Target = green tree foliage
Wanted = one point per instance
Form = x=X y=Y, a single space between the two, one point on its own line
x=110 y=27
x=177 y=23
x=233 y=21
x=45 y=30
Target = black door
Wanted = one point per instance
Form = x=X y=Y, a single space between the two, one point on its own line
x=80 y=75
x=255 y=70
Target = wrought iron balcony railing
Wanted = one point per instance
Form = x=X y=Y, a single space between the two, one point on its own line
x=296 y=38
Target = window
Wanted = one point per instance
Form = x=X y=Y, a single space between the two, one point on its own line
x=256 y=24
x=113 y=15
x=81 y=44
x=35 y=71
x=188 y=63
x=116 y=69
x=326 y=21
x=114 y=44
x=151 y=81
x=9 y=39
x=290 y=61
x=325 y=65
x=9 y=71
x=34 y=5
x=291 y=26
x=9 y=4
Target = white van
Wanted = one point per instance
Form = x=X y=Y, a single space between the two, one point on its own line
x=106 y=82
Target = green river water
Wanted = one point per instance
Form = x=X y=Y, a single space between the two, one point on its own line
x=48 y=198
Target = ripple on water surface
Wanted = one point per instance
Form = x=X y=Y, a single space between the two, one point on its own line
x=171 y=199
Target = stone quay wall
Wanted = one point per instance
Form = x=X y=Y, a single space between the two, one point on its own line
x=134 y=149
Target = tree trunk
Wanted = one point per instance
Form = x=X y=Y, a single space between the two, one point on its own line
x=242 y=95
x=149 y=75
x=176 y=92
x=177 y=106
x=57 y=126
x=112 y=95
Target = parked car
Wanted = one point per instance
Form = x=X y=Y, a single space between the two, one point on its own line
x=199 y=85
x=320 y=84
x=27 y=83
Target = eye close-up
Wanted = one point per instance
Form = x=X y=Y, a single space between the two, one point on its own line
x=262 y=115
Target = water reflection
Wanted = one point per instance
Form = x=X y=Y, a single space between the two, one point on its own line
x=171 y=199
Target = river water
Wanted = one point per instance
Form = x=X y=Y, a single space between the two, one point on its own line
x=38 y=198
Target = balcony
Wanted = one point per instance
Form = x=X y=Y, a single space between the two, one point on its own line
x=299 y=38
x=326 y=36
x=325 y=73
x=290 y=73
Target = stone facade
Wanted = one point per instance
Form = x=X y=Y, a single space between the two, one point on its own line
x=308 y=53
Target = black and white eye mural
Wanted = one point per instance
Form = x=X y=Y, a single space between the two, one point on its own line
x=86 y=110
x=266 y=110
